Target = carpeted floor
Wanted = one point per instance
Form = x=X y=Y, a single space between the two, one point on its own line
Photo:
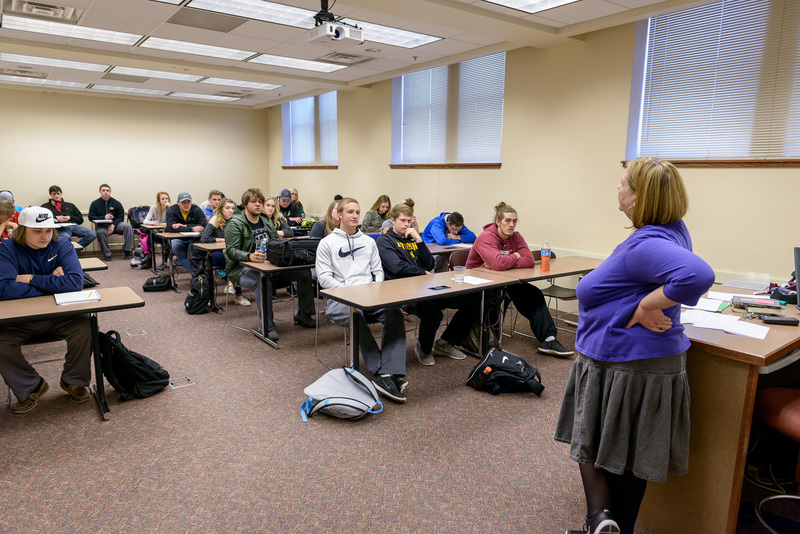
x=231 y=453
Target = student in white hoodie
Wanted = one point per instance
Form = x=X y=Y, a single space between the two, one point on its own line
x=347 y=257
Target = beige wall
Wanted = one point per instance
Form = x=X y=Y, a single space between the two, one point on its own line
x=137 y=147
x=564 y=135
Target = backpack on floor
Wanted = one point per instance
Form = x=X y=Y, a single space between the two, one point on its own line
x=198 y=300
x=130 y=373
x=509 y=374
x=88 y=281
x=161 y=282
x=344 y=393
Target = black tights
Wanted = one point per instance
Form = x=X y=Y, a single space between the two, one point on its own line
x=621 y=494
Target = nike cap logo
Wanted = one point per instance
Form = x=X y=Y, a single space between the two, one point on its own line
x=42 y=217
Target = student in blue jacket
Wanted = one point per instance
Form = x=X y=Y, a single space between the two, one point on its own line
x=448 y=229
x=34 y=263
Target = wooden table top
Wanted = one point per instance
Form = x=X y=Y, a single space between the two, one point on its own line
x=563 y=266
x=446 y=249
x=93 y=264
x=177 y=235
x=210 y=247
x=45 y=307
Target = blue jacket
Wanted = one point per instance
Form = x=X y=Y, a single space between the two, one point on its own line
x=436 y=232
x=16 y=259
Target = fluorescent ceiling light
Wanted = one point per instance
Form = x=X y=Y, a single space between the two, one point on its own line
x=185 y=47
x=156 y=74
x=62 y=63
x=304 y=18
x=204 y=97
x=292 y=63
x=68 y=30
x=129 y=90
x=173 y=2
x=240 y=83
x=23 y=79
x=531 y=6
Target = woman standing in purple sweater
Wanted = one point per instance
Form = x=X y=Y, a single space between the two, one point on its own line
x=625 y=411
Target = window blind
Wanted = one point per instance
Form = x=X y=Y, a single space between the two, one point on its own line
x=721 y=81
x=310 y=131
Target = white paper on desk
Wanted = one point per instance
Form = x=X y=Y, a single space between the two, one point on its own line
x=474 y=280
x=77 y=297
x=742 y=328
x=726 y=323
x=728 y=296
x=102 y=221
x=190 y=233
x=706 y=304
x=463 y=245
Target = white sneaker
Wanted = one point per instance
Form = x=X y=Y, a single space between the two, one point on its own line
x=443 y=348
x=243 y=302
x=424 y=359
x=230 y=290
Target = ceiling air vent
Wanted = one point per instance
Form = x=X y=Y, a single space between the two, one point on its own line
x=235 y=94
x=42 y=10
x=124 y=77
x=25 y=73
x=340 y=58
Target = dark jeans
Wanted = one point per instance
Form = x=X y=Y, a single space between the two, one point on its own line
x=531 y=304
x=430 y=317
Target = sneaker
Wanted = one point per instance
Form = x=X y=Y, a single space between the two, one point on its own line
x=272 y=335
x=401 y=384
x=108 y=257
x=601 y=523
x=33 y=399
x=242 y=302
x=443 y=348
x=230 y=290
x=77 y=394
x=424 y=359
x=305 y=321
x=554 y=348
x=126 y=255
x=388 y=387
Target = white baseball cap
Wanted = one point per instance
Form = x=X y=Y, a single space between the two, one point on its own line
x=37 y=217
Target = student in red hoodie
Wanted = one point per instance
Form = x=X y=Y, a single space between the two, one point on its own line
x=500 y=247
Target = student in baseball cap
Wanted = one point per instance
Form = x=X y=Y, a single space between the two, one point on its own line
x=35 y=263
x=289 y=209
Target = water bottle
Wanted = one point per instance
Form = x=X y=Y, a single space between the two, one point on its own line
x=264 y=249
x=482 y=376
x=545 y=266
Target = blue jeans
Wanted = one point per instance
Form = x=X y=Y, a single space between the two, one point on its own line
x=86 y=235
x=180 y=247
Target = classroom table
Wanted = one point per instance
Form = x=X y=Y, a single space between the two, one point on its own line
x=150 y=230
x=45 y=307
x=265 y=269
x=92 y=264
x=723 y=374
x=208 y=248
x=76 y=246
x=392 y=293
x=559 y=267
x=166 y=239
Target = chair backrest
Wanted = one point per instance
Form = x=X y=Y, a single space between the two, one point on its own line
x=537 y=255
x=458 y=258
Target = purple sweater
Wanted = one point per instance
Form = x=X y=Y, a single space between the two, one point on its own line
x=652 y=256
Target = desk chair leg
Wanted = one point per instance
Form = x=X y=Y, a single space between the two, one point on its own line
x=99 y=388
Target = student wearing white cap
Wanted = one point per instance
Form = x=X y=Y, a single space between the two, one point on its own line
x=34 y=263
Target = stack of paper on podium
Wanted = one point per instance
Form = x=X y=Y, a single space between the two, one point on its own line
x=77 y=297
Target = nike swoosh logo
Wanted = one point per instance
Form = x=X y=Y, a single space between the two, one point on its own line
x=504 y=359
x=54 y=257
x=344 y=253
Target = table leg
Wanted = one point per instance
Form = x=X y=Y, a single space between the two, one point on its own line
x=212 y=285
x=261 y=332
x=99 y=389
x=354 y=337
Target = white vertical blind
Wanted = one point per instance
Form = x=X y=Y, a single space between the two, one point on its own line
x=451 y=114
x=722 y=81
x=309 y=131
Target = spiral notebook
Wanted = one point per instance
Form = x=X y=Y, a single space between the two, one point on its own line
x=77 y=297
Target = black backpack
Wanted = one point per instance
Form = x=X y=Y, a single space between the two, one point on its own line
x=509 y=374
x=137 y=215
x=161 y=282
x=198 y=301
x=129 y=372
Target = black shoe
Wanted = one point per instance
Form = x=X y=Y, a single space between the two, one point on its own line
x=554 y=348
x=108 y=257
x=305 y=321
x=388 y=387
x=272 y=335
x=601 y=523
x=126 y=255
x=401 y=384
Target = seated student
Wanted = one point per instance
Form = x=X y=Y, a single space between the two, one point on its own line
x=404 y=254
x=184 y=217
x=214 y=198
x=158 y=211
x=347 y=257
x=388 y=224
x=500 y=247
x=289 y=209
x=277 y=218
x=66 y=212
x=296 y=200
x=248 y=226
x=34 y=263
x=448 y=229
x=214 y=232
x=8 y=219
x=326 y=226
x=376 y=215
x=108 y=208
x=7 y=195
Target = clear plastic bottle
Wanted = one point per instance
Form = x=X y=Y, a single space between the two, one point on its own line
x=482 y=376
x=545 y=265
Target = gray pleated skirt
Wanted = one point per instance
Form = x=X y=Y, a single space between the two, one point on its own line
x=628 y=416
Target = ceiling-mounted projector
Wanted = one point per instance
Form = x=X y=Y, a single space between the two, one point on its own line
x=336 y=35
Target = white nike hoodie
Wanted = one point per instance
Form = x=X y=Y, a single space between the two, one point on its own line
x=347 y=260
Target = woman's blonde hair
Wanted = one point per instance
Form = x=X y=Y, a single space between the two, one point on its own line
x=328 y=222
x=277 y=217
x=159 y=212
x=219 y=218
x=660 y=192
x=377 y=206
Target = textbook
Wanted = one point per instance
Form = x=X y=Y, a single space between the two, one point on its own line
x=77 y=297
x=748 y=304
